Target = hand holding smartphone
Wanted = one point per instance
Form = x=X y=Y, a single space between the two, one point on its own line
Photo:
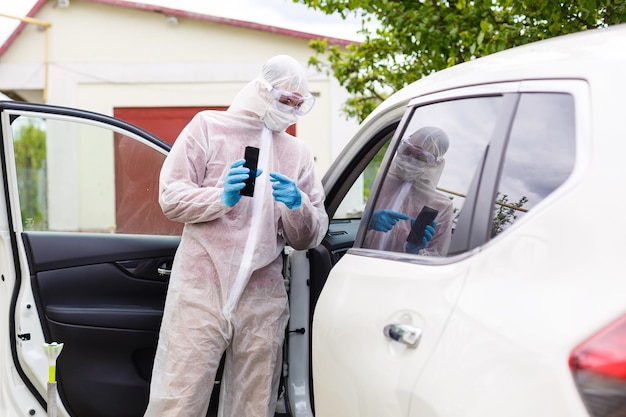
x=251 y=156
x=426 y=217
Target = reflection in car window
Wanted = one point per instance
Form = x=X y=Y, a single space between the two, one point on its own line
x=441 y=150
x=539 y=157
x=74 y=177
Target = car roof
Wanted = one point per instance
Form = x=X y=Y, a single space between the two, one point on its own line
x=583 y=55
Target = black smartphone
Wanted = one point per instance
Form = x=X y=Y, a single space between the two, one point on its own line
x=426 y=217
x=251 y=156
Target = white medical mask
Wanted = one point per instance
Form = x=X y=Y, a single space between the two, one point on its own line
x=405 y=168
x=277 y=120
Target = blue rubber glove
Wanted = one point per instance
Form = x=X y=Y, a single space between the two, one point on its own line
x=384 y=220
x=429 y=232
x=285 y=191
x=234 y=182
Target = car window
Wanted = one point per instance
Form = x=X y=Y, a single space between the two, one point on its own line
x=353 y=203
x=439 y=153
x=539 y=156
x=77 y=177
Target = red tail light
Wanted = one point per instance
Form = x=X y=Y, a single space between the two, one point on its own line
x=599 y=369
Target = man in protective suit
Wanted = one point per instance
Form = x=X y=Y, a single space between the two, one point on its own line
x=226 y=291
x=409 y=186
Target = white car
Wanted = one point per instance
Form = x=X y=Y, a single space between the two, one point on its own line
x=519 y=311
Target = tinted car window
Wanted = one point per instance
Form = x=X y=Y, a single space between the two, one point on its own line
x=539 y=156
x=451 y=153
x=75 y=177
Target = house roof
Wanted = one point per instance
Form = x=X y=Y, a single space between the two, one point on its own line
x=183 y=14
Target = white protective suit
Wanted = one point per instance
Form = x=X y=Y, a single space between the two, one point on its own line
x=408 y=188
x=226 y=290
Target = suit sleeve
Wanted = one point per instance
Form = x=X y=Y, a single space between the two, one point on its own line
x=182 y=195
x=306 y=226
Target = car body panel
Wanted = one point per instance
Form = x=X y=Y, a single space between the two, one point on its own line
x=349 y=326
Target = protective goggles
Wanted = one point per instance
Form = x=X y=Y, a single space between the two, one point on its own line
x=417 y=153
x=289 y=102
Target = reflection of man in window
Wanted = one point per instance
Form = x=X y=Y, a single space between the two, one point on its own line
x=408 y=187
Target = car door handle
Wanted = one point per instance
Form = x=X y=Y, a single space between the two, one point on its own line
x=403 y=333
x=164 y=272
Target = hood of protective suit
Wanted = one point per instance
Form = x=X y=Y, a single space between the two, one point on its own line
x=255 y=99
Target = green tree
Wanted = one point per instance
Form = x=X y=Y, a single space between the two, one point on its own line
x=414 y=38
x=30 y=156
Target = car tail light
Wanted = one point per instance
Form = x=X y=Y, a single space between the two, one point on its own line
x=599 y=368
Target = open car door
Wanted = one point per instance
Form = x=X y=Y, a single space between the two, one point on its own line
x=85 y=253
